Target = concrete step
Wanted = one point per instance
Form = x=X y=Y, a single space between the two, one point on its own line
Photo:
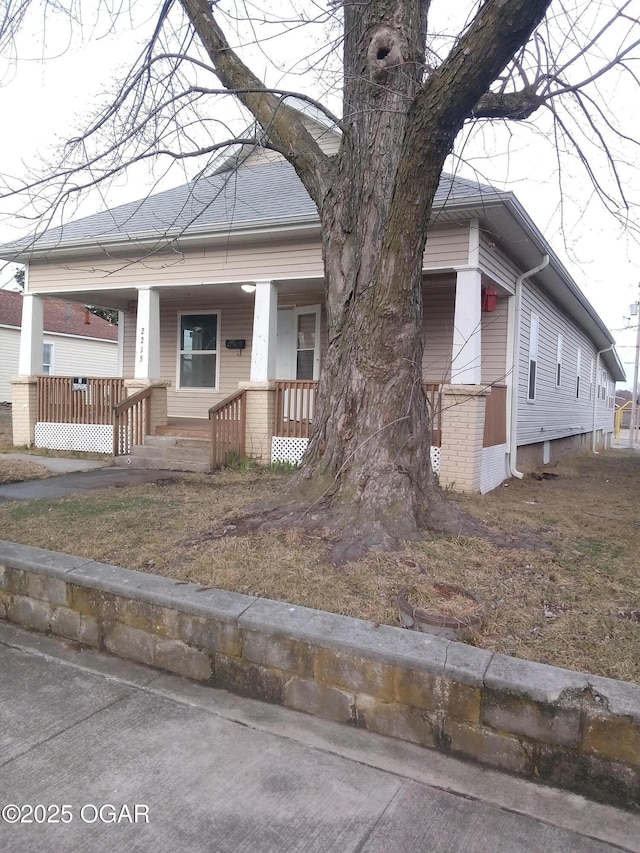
x=158 y=464
x=166 y=441
x=189 y=432
x=170 y=453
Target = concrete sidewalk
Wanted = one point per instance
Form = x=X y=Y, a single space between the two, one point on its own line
x=81 y=481
x=199 y=769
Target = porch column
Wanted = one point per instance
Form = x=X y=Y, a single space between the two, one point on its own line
x=147 y=356
x=466 y=355
x=265 y=329
x=31 y=336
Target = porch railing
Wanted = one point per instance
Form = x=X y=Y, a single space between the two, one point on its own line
x=131 y=422
x=295 y=404
x=228 y=428
x=91 y=401
x=433 y=393
x=495 y=417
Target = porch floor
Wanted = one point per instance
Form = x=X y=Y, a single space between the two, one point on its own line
x=191 y=427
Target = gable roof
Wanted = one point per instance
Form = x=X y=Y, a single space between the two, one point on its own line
x=60 y=317
x=269 y=194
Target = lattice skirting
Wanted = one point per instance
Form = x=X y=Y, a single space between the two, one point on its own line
x=292 y=449
x=288 y=449
x=91 y=438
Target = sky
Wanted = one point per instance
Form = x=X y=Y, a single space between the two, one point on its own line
x=51 y=87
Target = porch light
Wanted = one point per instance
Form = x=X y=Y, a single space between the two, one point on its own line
x=248 y=288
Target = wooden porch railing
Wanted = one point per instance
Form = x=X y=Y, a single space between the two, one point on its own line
x=228 y=428
x=295 y=404
x=433 y=393
x=495 y=417
x=91 y=402
x=294 y=408
x=131 y=422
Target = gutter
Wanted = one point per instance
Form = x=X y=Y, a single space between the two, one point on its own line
x=595 y=397
x=515 y=366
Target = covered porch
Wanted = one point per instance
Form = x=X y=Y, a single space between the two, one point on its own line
x=237 y=364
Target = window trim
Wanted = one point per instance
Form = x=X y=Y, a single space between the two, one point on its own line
x=50 y=363
x=190 y=313
x=559 y=361
x=534 y=323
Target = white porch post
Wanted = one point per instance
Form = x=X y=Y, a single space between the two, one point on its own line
x=466 y=356
x=30 y=358
x=147 y=357
x=263 y=344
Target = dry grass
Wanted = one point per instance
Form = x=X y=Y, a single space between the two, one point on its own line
x=564 y=605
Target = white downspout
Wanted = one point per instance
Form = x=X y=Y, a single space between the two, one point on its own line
x=595 y=397
x=515 y=366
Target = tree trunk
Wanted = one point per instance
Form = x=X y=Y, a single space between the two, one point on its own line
x=369 y=452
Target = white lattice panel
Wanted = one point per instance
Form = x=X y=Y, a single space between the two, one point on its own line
x=91 y=438
x=288 y=449
x=435 y=460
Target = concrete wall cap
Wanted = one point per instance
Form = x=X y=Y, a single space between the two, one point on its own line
x=382 y=643
x=28 y=558
x=537 y=681
x=620 y=697
x=163 y=592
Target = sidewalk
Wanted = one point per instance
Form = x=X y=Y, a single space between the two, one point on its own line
x=81 y=481
x=146 y=761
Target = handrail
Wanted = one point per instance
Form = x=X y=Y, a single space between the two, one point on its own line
x=228 y=428
x=130 y=429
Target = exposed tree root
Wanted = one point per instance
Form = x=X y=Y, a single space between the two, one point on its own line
x=352 y=535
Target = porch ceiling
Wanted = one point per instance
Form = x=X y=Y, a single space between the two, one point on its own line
x=125 y=298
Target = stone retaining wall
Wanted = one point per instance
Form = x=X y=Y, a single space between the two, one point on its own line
x=567 y=728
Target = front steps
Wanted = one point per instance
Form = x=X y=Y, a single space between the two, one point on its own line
x=170 y=453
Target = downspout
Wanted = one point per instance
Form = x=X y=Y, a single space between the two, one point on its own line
x=595 y=397
x=515 y=366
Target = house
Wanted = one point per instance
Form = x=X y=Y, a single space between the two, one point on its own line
x=220 y=285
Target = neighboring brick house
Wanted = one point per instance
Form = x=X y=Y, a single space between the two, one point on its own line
x=75 y=341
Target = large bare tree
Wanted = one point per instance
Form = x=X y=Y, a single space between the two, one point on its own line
x=407 y=93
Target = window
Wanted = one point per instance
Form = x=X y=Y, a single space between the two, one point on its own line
x=47 y=359
x=306 y=345
x=198 y=350
x=534 y=329
x=578 y=368
x=559 y=362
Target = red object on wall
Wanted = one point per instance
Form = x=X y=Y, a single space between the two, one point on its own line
x=489 y=299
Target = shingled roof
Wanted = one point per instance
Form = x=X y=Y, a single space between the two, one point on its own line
x=269 y=194
x=60 y=317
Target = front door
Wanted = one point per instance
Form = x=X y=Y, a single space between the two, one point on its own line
x=298 y=343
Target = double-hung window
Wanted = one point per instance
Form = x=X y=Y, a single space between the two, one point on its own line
x=559 y=362
x=47 y=359
x=534 y=331
x=198 y=350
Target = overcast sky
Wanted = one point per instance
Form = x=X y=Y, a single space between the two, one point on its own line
x=43 y=98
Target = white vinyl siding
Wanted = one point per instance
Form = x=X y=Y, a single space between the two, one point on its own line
x=10 y=349
x=494 y=343
x=556 y=413
x=495 y=263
